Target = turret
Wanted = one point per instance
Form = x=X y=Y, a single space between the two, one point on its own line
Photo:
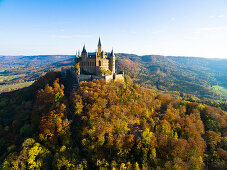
x=84 y=49
x=112 y=62
x=99 y=47
x=84 y=52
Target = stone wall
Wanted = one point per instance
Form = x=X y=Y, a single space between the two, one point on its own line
x=119 y=77
x=88 y=77
x=105 y=64
x=88 y=64
x=97 y=77
x=85 y=77
x=108 y=78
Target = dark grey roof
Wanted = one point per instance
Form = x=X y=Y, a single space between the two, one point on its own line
x=94 y=53
x=112 y=53
x=84 y=50
x=99 y=42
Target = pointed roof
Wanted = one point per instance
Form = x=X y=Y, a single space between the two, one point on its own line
x=84 y=49
x=112 y=53
x=99 y=43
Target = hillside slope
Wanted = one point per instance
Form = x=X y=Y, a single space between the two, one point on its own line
x=121 y=126
x=189 y=75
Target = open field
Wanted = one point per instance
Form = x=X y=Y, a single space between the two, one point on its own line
x=220 y=90
x=10 y=77
x=10 y=87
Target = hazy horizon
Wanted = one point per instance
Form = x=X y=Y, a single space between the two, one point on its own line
x=116 y=53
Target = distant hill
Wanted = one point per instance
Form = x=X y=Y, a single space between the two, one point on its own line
x=19 y=69
x=11 y=63
x=190 y=75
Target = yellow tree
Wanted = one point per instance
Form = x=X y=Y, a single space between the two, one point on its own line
x=55 y=127
x=77 y=68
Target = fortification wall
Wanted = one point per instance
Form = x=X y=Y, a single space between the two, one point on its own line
x=89 y=77
x=108 y=78
x=97 y=77
x=119 y=77
x=84 y=77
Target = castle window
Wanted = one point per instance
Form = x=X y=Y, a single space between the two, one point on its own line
x=99 y=63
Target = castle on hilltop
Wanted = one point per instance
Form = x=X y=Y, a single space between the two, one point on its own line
x=96 y=65
x=96 y=62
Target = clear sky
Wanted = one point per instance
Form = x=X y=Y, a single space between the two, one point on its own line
x=165 y=27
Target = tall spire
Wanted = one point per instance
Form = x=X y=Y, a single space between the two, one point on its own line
x=84 y=49
x=112 y=53
x=99 y=42
x=99 y=47
x=112 y=62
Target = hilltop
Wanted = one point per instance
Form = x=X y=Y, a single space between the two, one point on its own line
x=112 y=125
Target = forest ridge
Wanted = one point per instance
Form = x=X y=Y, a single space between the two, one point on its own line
x=107 y=126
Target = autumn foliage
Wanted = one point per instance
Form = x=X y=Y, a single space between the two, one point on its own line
x=117 y=126
x=125 y=124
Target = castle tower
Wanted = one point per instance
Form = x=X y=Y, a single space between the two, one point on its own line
x=99 y=47
x=112 y=62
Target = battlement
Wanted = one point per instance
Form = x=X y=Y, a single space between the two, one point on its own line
x=89 y=77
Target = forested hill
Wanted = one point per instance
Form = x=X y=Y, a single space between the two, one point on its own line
x=107 y=126
x=199 y=77
x=203 y=78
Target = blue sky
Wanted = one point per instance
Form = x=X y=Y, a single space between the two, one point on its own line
x=165 y=27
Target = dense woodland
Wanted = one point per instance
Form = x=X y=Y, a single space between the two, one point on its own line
x=199 y=77
x=191 y=75
x=107 y=126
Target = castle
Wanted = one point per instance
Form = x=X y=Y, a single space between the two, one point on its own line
x=97 y=65
x=96 y=62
